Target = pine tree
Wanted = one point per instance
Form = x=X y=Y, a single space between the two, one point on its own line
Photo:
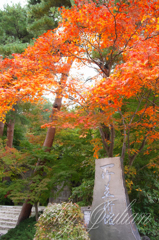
x=14 y=36
x=44 y=14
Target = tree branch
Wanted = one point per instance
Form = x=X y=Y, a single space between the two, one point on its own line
x=103 y=140
x=125 y=135
x=112 y=137
x=140 y=149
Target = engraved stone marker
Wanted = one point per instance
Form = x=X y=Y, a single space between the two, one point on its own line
x=111 y=217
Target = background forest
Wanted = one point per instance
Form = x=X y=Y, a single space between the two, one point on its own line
x=87 y=127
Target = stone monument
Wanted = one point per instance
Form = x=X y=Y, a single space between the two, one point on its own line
x=111 y=217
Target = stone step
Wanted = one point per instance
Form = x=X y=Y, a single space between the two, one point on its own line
x=15 y=207
x=6 y=227
x=6 y=219
x=16 y=211
x=12 y=215
x=10 y=206
x=3 y=232
x=9 y=212
x=8 y=223
x=7 y=208
x=9 y=216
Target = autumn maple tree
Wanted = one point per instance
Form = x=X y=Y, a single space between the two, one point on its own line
x=18 y=82
x=119 y=39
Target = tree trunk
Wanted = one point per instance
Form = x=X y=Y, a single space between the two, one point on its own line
x=26 y=210
x=1 y=128
x=36 y=211
x=10 y=133
x=107 y=135
x=49 y=139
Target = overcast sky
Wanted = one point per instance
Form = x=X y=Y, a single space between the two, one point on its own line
x=11 y=2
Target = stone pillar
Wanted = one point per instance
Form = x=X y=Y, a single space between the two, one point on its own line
x=111 y=217
x=86 y=215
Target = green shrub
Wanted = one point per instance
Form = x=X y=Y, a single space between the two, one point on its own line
x=61 y=221
x=24 y=231
x=150 y=228
x=83 y=194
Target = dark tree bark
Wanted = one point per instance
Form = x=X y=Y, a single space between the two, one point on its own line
x=10 y=133
x=36 y=211
x=1 y=128
x=25 y=212
x=107 y=135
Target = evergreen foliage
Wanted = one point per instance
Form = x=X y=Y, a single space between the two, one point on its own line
x=44 y=15
x=14 y=36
